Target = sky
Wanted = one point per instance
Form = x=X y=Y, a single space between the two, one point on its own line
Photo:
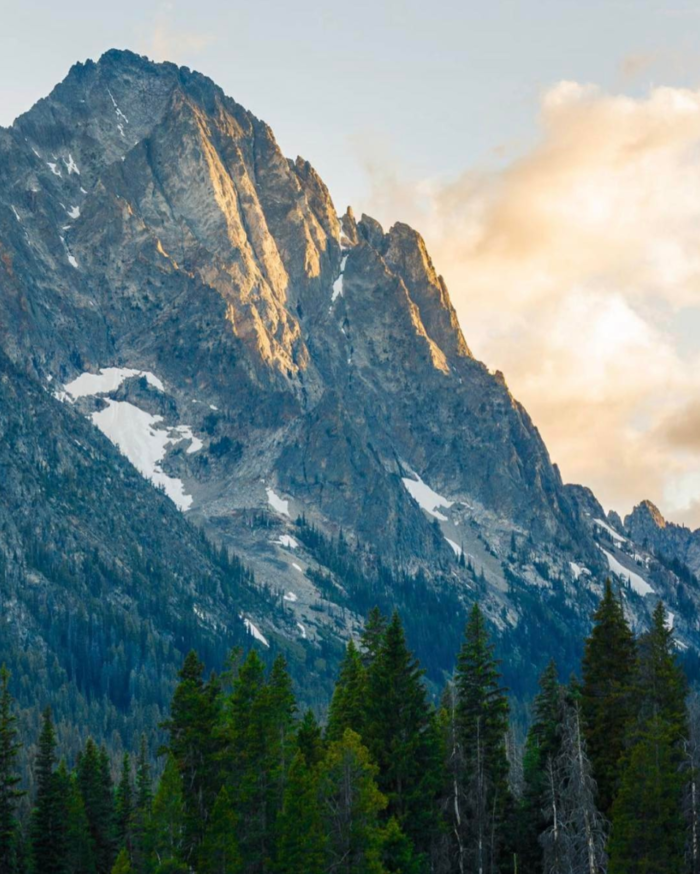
x=548 y=151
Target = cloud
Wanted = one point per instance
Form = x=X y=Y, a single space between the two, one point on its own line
x=169 y=41
x=567 y=267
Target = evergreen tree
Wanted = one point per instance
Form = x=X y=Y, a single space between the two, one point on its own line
x=372 y=635
x=607 y=693
x=124 y=805
x=48 y=821
x=347 y=708
x=661 y=686
x=166 y=831
x=301 y=843
x=482 y=725
x=259 y=747
x=9 y=779
x=95 y=785
x=350 y=807
x=541 y=750
x=80 y=853
x=398 y=855
x=194 y=746
x=218 y=853
x=143 y=798
x=402 y=738
x=648 y=830
x=310 y=740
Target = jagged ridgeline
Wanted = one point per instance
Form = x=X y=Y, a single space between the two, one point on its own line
x=228 y=414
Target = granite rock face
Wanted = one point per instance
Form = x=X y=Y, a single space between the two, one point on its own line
x=276 y=360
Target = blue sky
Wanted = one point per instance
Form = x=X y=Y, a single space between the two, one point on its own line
x=548 y=151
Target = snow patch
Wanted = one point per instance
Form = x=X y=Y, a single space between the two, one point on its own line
x=54 y=168
x=457 y=549
x=286 y=540
x=72 y=261
x=195 y=443
x=255 y=631
x=278 y=504
x=71 y=166
x=74 y=212
x=297 y=567
x=107 y=380
x=16 y=214
x=338 y=284
x=426 y=498
x=611 y=531
x=290 y=596
x=302 y=629
x=134 y=432
x=639 y=584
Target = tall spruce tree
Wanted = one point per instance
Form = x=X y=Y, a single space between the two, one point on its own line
x=124 y=805
x=166 y=828
x=482 y=725
x=49 y=816
x=194 y=745
x=9 y=779
x=218 y=853
x=301 y=843
x=541 y=751
x=372 y=635
x=143 y=799
x=607 y=693
x=649 y=828
x=401 y=735
x=80 y=853
x=349 y=701
x=95 y=784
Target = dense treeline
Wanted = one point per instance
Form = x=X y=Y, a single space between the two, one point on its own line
x=391 y=784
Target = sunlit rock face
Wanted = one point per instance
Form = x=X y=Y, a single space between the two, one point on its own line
x=281 y=358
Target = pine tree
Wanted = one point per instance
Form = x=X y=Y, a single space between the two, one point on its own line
x=48 y=822
x=124 y=805
x=648 y=833
x=95 y=785
x=541 y=750
x=166 y=831
x=194 y=745
x=347 y=708
x=402 y=738
x=9 y=779
x=80 y=845
x=650 y=801
x=218 y=853
x=301 y=843
x=350 y=807
x=661 y=686
x=310 y=740
x=607 y=693
x=143 y=799
x=398 y=855
x=372 y=635
x=482 y=725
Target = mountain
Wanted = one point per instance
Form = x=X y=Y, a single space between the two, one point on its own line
x=295 y=384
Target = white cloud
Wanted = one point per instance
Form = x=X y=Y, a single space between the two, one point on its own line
x=567 y=267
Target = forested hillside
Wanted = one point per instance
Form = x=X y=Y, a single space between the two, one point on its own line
x=389 y=782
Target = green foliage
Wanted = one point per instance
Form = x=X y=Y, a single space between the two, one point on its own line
x=608 y=693
x=218 y=853
x=9 y=778
x=49 y=816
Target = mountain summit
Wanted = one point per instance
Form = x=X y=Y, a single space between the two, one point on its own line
x=294 y=380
